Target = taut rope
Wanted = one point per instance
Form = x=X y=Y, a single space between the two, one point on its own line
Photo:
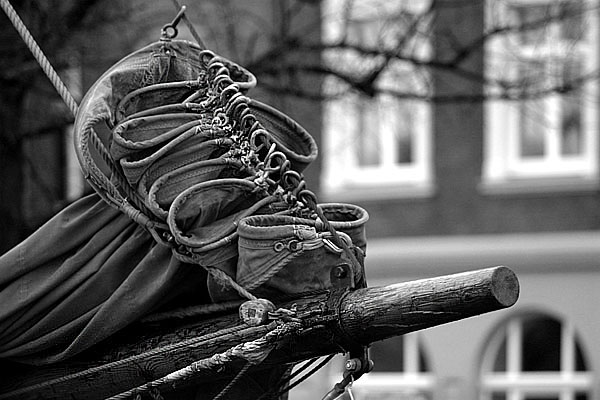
x=39 y=56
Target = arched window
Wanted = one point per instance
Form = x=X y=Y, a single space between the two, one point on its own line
x=535 y=357
x=401 y=372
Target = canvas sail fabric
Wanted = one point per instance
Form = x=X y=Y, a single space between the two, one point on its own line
x=91 y=270
x=183 y=162
x=81 y=277
x=281 y=254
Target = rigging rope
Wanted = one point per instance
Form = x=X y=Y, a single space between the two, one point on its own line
x=39 y=56
x=254 y=352
x=190 y=26
x=290 y=386
x=234 y=381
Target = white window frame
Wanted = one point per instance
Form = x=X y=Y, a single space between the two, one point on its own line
x=343 y=176
x=516 y=383
x=503 y=168
x=408 y=384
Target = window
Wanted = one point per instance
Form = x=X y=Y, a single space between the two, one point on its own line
x=535 y=357
x=541 y=119
x=379 y=141
x=401 y=372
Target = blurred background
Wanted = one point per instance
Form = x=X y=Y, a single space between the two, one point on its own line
x=468 y=129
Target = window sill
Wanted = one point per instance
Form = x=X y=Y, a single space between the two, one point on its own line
x=524 y=186
x=379 y=192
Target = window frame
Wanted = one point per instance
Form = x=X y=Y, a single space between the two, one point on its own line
x=503 y=168
x=409 y=382
x=517 y=384
x=342 y=174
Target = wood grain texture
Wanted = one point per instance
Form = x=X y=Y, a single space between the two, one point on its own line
x=378 y=313
x=333 y=322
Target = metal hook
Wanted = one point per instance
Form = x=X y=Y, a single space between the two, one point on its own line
x=169 y=31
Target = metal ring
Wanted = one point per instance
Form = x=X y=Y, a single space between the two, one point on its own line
x=279 y=246
x=169 y=31
x=294 y=245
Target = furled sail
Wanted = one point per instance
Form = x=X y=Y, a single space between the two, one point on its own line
x=199 y=199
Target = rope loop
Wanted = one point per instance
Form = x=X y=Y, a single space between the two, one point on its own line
x=291 y=179
x=308 y=198
x=260 y=139
x=206 y=56
x=248 y=122
x=230 y=90
x=215 y=68
x=236 y=105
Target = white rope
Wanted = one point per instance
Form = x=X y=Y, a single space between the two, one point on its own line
x=39 y=56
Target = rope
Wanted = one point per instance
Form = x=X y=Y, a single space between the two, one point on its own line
x=310 y=199
x=39 y=56
x=287 y=378
x=234 y=381
x=254 y=352
x=301 y=379
x=190 y=26
x=208 y=340
x=227 y=281
x=307 y=375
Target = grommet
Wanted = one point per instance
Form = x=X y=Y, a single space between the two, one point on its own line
x=294 y=245
x=278 y=246
x=341 y=276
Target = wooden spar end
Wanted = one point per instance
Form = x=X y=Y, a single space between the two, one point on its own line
x=504 y=286
x=377 y=313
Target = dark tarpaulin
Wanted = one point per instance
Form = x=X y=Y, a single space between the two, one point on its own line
x=85 y=274
x=91 y=270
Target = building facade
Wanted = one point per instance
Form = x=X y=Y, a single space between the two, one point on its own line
x=493 y=160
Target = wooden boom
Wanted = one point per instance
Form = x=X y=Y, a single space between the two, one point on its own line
x=331 y=322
